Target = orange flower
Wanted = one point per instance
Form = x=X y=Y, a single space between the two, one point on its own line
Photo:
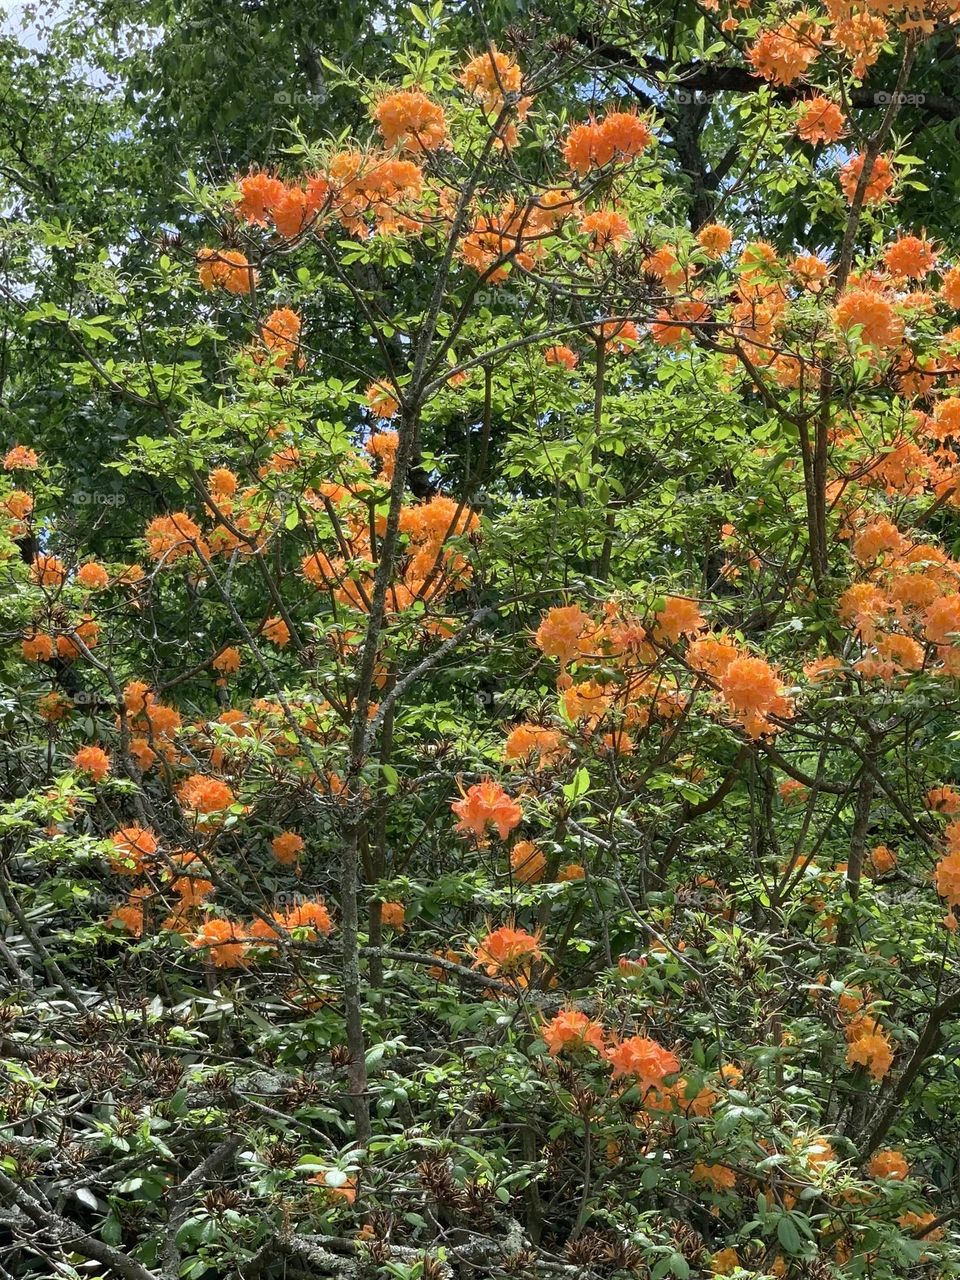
x=277 y=632
x=381 y=400
x=561 y=631
x=784 y=54
x=889 y=1164
x=876 y=539
x=672 y=327
x=868 y=1046
x=280 y=333
x=383 y=446
x=718 y=1176
x=293 y=212
x=223 y=941
x=259 y=193
x=879 y=182
x=820 y=120
x=486 y=804
x=507 y=951
x=810 y=271
x=882 y=859
x=605 y=228
x=135 y=848
x=204 y=796
x=48 y=570
x=312 y=916
x=792 y=791
x=948 y=878
x=571 y=1032
x=172 y=537
x=644 y=1059
x=866 y=310
x=679 y=616
x=191 y=890
x=343 y=1190
x=943 y=799
x=223 y=482
x=93 y=576
x=531 y=741
x=490 y=76
x=411 y=121
x=130 y=916
x=20 y=458
x=910 y=256
x=226 y=268
x=561 y=355
x=752 y=691
x=527 y=862
x=94 y=762
x=621 y=135
x=37 y=648
x=724 y=1262
x=715 y=239
x=917 y=1224
x=86 y=632
x=942 y=620
x=54 y=707
x=287 y=847
x=572 y=871
x=227 y=661
x=951 y=287
x=393 y=914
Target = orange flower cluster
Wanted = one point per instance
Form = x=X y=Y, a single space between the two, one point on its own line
x=311 y=917
x=280 y=334
x=484 y=805
x=561 y=355
x=948 y=868
x=411 y=121
x=907 y=611
x=643 y=1059
x=910 y=256
x=223 y=941
x=135 y=847
x=94 y=762
x=748 y=685
x=173 y=537
x=291 y=208
x=20 y=458
x=784 y=54
x=619 y=136
x=571 y=1031
x=872 y=314
x=527 y=743
x=879 y=179
x=715 y=239
x=527 y=863
x=287 y=848
x=371 y=192
x=492 y=77
x=225 y=269
x=820 y=120
x=860 y=35
x=869 y=1046
x=431 y=568
x=205 y=798
x=889 y=1164
x=153 y=724
x=507 y=952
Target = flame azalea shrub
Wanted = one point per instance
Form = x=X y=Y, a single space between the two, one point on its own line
x=495 y=779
